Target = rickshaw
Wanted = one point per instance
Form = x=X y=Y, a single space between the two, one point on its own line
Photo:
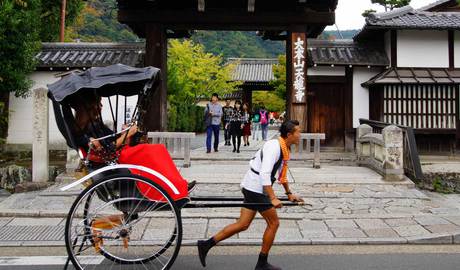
x=127 y=216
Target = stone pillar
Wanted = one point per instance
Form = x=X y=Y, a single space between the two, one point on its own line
x=296 y=77
x=40 y=155
x=393 y=163
x=361 y=131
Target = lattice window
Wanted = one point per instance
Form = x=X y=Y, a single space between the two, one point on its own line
x=421 y=106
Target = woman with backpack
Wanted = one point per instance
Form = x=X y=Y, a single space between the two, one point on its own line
x=255 y=124
x=263 y=121
x=236 y=126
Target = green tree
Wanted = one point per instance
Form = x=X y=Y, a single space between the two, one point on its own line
x=98 y=23
x=19 y=43
x=279 y=71
x=193 y=73
x=271 y=100
x=51 y=17
x=387 y=4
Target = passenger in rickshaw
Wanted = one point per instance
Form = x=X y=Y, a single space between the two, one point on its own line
x=89 y=126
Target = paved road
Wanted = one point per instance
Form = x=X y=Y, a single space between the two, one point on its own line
x=402 y=257
x=320 y=262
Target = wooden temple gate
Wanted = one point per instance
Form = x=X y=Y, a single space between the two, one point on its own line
x=291 y=20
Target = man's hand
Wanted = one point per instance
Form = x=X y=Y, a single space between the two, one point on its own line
x=276 y=203
x=295 y=198
x=95 y=143
x=132 y=130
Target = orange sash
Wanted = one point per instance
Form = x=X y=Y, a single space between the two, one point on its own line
x=283 y=174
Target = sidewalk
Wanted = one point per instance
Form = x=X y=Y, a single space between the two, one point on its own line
x=350 y=205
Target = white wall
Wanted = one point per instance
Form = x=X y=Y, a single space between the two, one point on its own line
x=418 y=48
x=457 y=49
x=20 y=113
x=326 y=71
x=361 y=94
x=387 y=44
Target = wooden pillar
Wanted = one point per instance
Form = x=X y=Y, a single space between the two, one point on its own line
x=296 y=77
x=247 y=96
x=156 y=55
x=348 y=111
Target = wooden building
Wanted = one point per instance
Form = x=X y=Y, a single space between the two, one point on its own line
x=290 y=20
x=421 y=87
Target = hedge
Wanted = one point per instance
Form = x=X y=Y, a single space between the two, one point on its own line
x=185 y=118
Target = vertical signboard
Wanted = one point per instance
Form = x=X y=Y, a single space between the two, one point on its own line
x=299 y=52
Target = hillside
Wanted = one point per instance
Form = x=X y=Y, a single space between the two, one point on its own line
x=98 y=23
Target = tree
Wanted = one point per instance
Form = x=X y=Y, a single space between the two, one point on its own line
x=19 y=43
x=272 y=101
x=279 y=71
x=98 y=23
x=193 y=73
x=387 y=4
x=51 y=17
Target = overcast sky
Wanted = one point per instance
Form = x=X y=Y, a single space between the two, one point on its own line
x=348 y=13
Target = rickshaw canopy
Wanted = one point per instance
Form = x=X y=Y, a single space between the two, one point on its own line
x=107 y=81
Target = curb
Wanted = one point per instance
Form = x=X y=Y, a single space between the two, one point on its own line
x=441 y=239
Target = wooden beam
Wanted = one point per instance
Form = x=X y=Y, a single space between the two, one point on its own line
x=451 y=49
x=155 y=55
x=251 y=5
x=226 y=19
x=349 y=138
x=394 y=48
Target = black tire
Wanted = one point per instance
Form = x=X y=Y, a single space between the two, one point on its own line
x=88 y=194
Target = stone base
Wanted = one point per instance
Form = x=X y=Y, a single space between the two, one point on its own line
x=31 y=186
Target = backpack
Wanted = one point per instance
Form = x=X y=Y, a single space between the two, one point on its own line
x=207 y=119
x=256 y=118
x=263 y=117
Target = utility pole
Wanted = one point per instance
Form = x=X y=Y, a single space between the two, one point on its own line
x=61 y=37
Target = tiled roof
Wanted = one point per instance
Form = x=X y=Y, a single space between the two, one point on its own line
x=415 y=76
x=409 y=18
x=345 y=52
x=253 y=69
x=437 y=4
x=77 y=55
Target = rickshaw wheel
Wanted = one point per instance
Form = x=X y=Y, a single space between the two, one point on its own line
x=111 y=222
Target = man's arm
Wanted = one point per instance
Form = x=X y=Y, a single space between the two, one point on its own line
x=291 y=197
x=218 y=113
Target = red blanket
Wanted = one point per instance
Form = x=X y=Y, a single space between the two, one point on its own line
x=157 y=158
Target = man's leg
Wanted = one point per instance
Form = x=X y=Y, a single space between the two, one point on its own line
x=216 y=129
x=271 y=217
x=208 y=138
x=227 y=133
x=242 y=224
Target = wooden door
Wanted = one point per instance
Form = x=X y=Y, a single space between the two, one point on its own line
x=326 y=112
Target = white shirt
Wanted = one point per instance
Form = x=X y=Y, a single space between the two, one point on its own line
x=256 y=182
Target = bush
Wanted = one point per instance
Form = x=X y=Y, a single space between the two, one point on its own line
x=185 y=118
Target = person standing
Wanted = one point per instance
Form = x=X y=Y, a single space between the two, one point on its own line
x=257 y=190
x=236 y=126
x=246 y=124
x=213 y=115
x=264 y=121
x=255 y=124
x=227 y=110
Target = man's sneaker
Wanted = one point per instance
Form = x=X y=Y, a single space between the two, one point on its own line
x=267 y=266
x=202 y=251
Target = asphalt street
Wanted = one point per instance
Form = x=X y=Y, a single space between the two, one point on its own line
x=404 y=260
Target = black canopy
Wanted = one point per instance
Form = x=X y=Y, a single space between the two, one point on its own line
x=112 y=80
